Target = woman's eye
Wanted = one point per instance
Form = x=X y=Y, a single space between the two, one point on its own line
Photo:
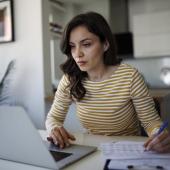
x=72 y=46
x=87 y=44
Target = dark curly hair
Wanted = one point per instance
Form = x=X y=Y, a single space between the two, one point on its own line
x=96 y=24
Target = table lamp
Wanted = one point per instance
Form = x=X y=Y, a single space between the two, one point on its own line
x=165 y=75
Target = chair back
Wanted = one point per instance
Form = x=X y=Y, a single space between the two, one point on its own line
x=165 y=109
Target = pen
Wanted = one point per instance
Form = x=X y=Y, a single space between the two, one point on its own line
x=162 y=128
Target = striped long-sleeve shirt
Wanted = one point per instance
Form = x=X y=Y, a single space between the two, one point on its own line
x=114 y=106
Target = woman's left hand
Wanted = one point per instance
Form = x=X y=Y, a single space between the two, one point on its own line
x=159 y=143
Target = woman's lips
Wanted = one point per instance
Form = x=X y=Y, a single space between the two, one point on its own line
x=81 y=63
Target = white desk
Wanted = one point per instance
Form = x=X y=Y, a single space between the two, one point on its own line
x=91 y=162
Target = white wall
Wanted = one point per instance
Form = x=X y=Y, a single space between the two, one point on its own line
x=149 y=21
x=46 y=48
x=152 y=34
x=99 y=6
x=27 y=49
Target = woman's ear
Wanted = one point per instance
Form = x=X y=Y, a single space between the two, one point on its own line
x=106 y=45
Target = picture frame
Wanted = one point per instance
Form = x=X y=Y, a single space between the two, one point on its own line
x=6 y=21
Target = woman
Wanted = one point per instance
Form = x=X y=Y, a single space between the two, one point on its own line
x=111 y=98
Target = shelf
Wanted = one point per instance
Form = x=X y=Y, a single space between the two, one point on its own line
x=57 y=5
x=55 y=18
x=56 y=21
x=55 y=35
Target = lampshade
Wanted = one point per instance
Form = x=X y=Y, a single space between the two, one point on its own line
x=165 y=75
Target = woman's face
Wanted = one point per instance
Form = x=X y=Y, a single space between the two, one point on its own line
x=86 y=49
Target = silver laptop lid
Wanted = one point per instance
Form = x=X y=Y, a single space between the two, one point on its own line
x=20 y=142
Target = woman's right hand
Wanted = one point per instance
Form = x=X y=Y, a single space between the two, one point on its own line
x=61 y=136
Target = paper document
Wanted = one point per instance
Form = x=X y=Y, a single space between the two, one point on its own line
x=129 y=150
x=128 y=153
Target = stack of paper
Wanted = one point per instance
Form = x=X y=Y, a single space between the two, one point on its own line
x=126 y=154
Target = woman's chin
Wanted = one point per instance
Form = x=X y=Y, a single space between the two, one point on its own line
x=83 y=68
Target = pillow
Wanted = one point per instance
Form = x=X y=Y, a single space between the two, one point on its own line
x=3 y=68
x=6 y=83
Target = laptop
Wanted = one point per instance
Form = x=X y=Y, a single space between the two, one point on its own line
x=21 y=142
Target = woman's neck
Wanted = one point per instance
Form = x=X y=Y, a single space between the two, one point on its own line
x=102 y=74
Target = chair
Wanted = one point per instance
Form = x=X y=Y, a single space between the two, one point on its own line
x=165 y=109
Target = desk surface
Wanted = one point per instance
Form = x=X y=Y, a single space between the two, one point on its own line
x=93 y=161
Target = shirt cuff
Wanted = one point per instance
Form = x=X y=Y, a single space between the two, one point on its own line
x=153 y=128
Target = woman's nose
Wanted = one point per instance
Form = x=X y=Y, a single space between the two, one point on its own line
x=78 y=52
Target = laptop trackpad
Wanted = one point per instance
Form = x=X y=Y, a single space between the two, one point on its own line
x=59 y=155
x=55 y=151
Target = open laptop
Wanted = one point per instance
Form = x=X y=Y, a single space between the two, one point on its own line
x=21 y=142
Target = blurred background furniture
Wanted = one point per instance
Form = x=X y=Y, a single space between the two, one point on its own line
x=165 y=108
